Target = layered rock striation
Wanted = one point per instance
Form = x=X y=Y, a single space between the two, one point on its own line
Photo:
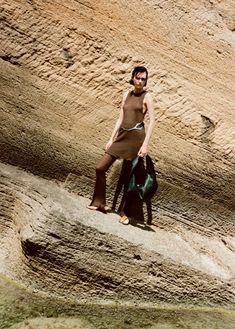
x=64 y=67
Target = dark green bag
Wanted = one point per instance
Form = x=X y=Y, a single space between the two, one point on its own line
x=148 y=186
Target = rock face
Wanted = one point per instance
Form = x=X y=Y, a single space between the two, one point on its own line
x=57 y=244
x=64 y=68
x=55 y=323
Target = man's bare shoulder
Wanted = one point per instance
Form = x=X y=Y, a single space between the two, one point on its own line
x=126 y=92
x=148 y=96
x=125 y=95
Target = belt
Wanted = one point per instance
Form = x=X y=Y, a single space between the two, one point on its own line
x=138 y=126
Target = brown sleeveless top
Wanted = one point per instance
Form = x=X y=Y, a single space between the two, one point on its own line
x=128 y=143
x=133 y=109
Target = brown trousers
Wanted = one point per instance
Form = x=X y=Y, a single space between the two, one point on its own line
x=99 y=196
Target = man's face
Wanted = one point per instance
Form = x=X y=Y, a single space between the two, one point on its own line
x=140 y=80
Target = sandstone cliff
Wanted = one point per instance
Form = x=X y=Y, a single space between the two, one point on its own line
x=64 y=67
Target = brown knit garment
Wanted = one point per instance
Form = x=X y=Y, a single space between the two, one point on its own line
x=127 y=143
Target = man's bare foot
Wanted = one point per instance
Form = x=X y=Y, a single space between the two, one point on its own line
x=124 y=220
x=92 y=207
x=103 y=209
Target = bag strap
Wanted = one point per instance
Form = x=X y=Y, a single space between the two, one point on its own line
x=149 y=165
x=134 y=164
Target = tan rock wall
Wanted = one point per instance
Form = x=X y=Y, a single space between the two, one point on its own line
x=64 y=67
x=83 y=53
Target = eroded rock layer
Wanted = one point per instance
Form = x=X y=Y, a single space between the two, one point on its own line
x=58 y=245
x=64 y=67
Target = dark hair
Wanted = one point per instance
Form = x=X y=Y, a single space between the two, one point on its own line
x=139 y=69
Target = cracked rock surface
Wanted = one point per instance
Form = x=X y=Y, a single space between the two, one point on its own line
x=63 y=69
x=58 y=245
